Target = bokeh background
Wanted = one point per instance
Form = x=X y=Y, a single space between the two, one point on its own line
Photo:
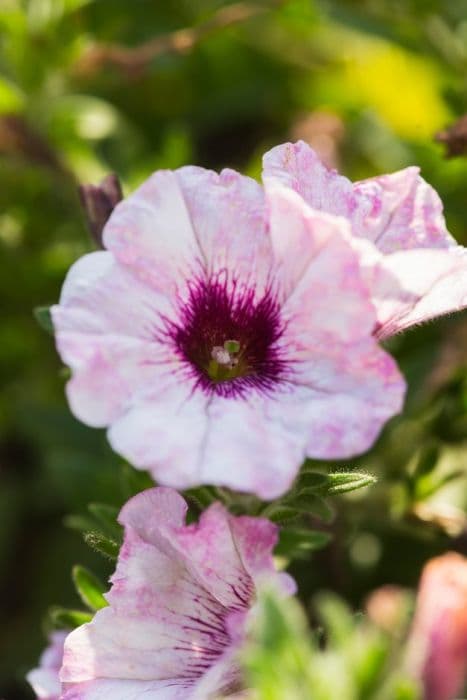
x=92 y=86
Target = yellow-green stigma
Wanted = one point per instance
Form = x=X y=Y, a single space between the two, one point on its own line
x=225 y=362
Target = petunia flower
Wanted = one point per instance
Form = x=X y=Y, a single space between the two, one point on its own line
x=415 y=269
x=225 y=334
x=44 y=679
x=179 y=605
x=437 y=652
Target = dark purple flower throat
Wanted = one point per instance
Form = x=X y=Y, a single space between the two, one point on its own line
x=229 y=338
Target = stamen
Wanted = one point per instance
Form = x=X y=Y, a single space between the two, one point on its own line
x=220 y=355
x=223 y=361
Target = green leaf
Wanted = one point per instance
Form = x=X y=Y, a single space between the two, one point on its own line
x=297 y=543
x=278 y=655
x=12 y=98
x=44 y=318
x=337 y=619
x=427 y=460
x=134 y=481
x=306 y=502
x=64 y=618
x=312 y=480
x=106 y=546
x=107 y=516
x=333 y=483
x=343 y=482
x=80 y=523
x=89 y=588
x=281 y=513
x=202 y=496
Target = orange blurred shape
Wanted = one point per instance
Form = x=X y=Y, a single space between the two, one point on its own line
x=437 y=651
x=324 y=132
x=388 y=607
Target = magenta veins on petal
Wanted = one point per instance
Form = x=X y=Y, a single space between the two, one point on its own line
x=229 y=339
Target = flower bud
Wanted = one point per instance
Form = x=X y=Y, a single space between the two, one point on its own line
x=437 y=651
x=98 y=202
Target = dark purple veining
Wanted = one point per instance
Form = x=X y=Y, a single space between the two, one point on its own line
x=215 y=313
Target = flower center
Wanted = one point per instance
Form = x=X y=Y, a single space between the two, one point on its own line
x=226 y=362
x=228 y=338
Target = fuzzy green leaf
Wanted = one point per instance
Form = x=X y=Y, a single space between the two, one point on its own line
x=106 y=516
x=106 y=546
x=343 y=482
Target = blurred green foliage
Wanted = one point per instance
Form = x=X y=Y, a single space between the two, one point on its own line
x=346 y=657
x=368 y=83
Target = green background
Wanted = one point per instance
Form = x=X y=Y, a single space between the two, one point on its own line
x=369 y=84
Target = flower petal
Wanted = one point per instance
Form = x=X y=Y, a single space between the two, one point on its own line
x=414 y=286
x=177 y=605
x=179 y=223
x=165 y=433
x=399 y=211
x=106 y=332
x=151 y=232
x=344 y=401
x=44 y=680
x=45 y=683
x=102 y=689
x=298 y=167
x=325 y=297
x=248 y=449
x=407 y=212
x=227 y=211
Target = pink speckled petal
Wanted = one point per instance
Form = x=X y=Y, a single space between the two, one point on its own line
x=399 y=211
x=414 y=286
x=225 y=442
x=106 y=326
x=227 y=211
x=407 y=212
x=255 y=539
x=102 y=689
x=44 y=679
x=248 y=449
x=179 y=223
x=177 y=606
x=325 y=299
x=353 y=387
x=165 y=433
x=298 y=167
x=45 y=683
x=151 y=232
x=344 y=399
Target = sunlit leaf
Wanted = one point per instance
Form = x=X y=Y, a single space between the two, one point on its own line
x=89 y=587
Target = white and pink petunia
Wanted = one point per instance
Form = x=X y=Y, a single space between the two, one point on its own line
x=44 y=679
x=179 y=606
x=225 y=334
x=414 y=268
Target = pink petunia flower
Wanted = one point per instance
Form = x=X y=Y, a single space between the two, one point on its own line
x=44 y=679
x=438 y=640
x=415 y=269
x=225 y=334
x=178 y=607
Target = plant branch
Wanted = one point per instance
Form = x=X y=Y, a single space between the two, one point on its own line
x=135 y=60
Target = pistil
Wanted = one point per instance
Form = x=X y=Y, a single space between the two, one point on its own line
x=224 y=361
